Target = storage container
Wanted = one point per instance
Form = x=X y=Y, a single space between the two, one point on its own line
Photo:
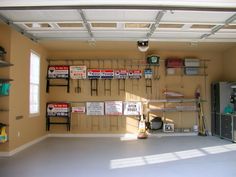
x=191 y=71
x=168 y=127
x=156 y=123
x=191 y=62
x=170 y=71
x=174 y=63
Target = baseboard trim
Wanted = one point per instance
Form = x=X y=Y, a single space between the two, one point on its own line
x=89 y=135
x=23 y=147
x=122 y=136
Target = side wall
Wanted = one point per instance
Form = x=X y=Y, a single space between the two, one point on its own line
x=229 y=63
x=23 y=128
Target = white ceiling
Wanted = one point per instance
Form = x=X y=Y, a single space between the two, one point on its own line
x=185 y=21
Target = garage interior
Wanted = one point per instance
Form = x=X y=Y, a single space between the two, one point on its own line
x=194 y=104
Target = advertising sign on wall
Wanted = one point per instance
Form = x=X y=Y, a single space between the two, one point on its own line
x=94 y=73
x=107 y=74
x=58 y=109
x=78 y=109
x=113 y=108
x=78 y=72
x=95 y=108
x=121 y=74
x=132 y=108
x=135 y=74
x=58 y=71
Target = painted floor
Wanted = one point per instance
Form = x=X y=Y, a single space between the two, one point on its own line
x=114 y=157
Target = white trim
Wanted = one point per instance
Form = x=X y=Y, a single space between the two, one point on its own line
x=89 y=135
x=23 y=147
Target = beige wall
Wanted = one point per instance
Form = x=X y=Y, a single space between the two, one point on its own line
x=28 y=128
x=4 y=73
x=135 y=90
x=229 y=61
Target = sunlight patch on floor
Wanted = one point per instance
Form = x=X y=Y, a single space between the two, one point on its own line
x=169 y=157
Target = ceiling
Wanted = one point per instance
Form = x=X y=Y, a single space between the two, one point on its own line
x=192 y=21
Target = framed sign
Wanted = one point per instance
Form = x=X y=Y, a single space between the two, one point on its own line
x=58 y=109
x=95 y=108
x=58 y=71
x=78 y=72
x=113 y=108
x=94 y=73
x=107 y=74
x=132 y=108
x=121 y=74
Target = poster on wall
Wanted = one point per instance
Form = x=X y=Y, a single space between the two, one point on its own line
x=113 y=108
x=94 y=73
x=107 y=74
x=95 y=108
x=58 y=71
x=58 y=109
x=78 y=72
x=132 y=108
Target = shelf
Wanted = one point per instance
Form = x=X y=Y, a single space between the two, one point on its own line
x=4 y=110
x=184 y=100
x=5 y=80
x=191 y=75
x=5 y=63
x=172 y=110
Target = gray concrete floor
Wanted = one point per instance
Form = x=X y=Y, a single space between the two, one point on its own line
x=92 y=157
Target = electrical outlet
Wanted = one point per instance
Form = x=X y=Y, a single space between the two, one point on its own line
x=18 y=134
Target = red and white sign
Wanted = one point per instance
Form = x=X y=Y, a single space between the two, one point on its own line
x=113 y=108
x=135 y=74
x=58 y=71
x=78 y=72
x=121 y=74
x=78 y=109
x=58 y=109
x=107 y=74
x=94 y=73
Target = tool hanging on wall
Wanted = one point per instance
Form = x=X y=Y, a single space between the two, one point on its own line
x=202 y=131
x=148 y=74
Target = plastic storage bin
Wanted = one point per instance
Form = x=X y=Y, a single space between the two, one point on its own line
x=191 y=62
x=174 y=63
x=191 y=71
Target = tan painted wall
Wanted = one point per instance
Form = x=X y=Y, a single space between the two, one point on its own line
x=4 y=73
x=135 y=90
x=229 y=61
x=28 y=128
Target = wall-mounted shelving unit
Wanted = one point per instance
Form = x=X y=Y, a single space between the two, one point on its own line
x=183 y=70
x=175 y=105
